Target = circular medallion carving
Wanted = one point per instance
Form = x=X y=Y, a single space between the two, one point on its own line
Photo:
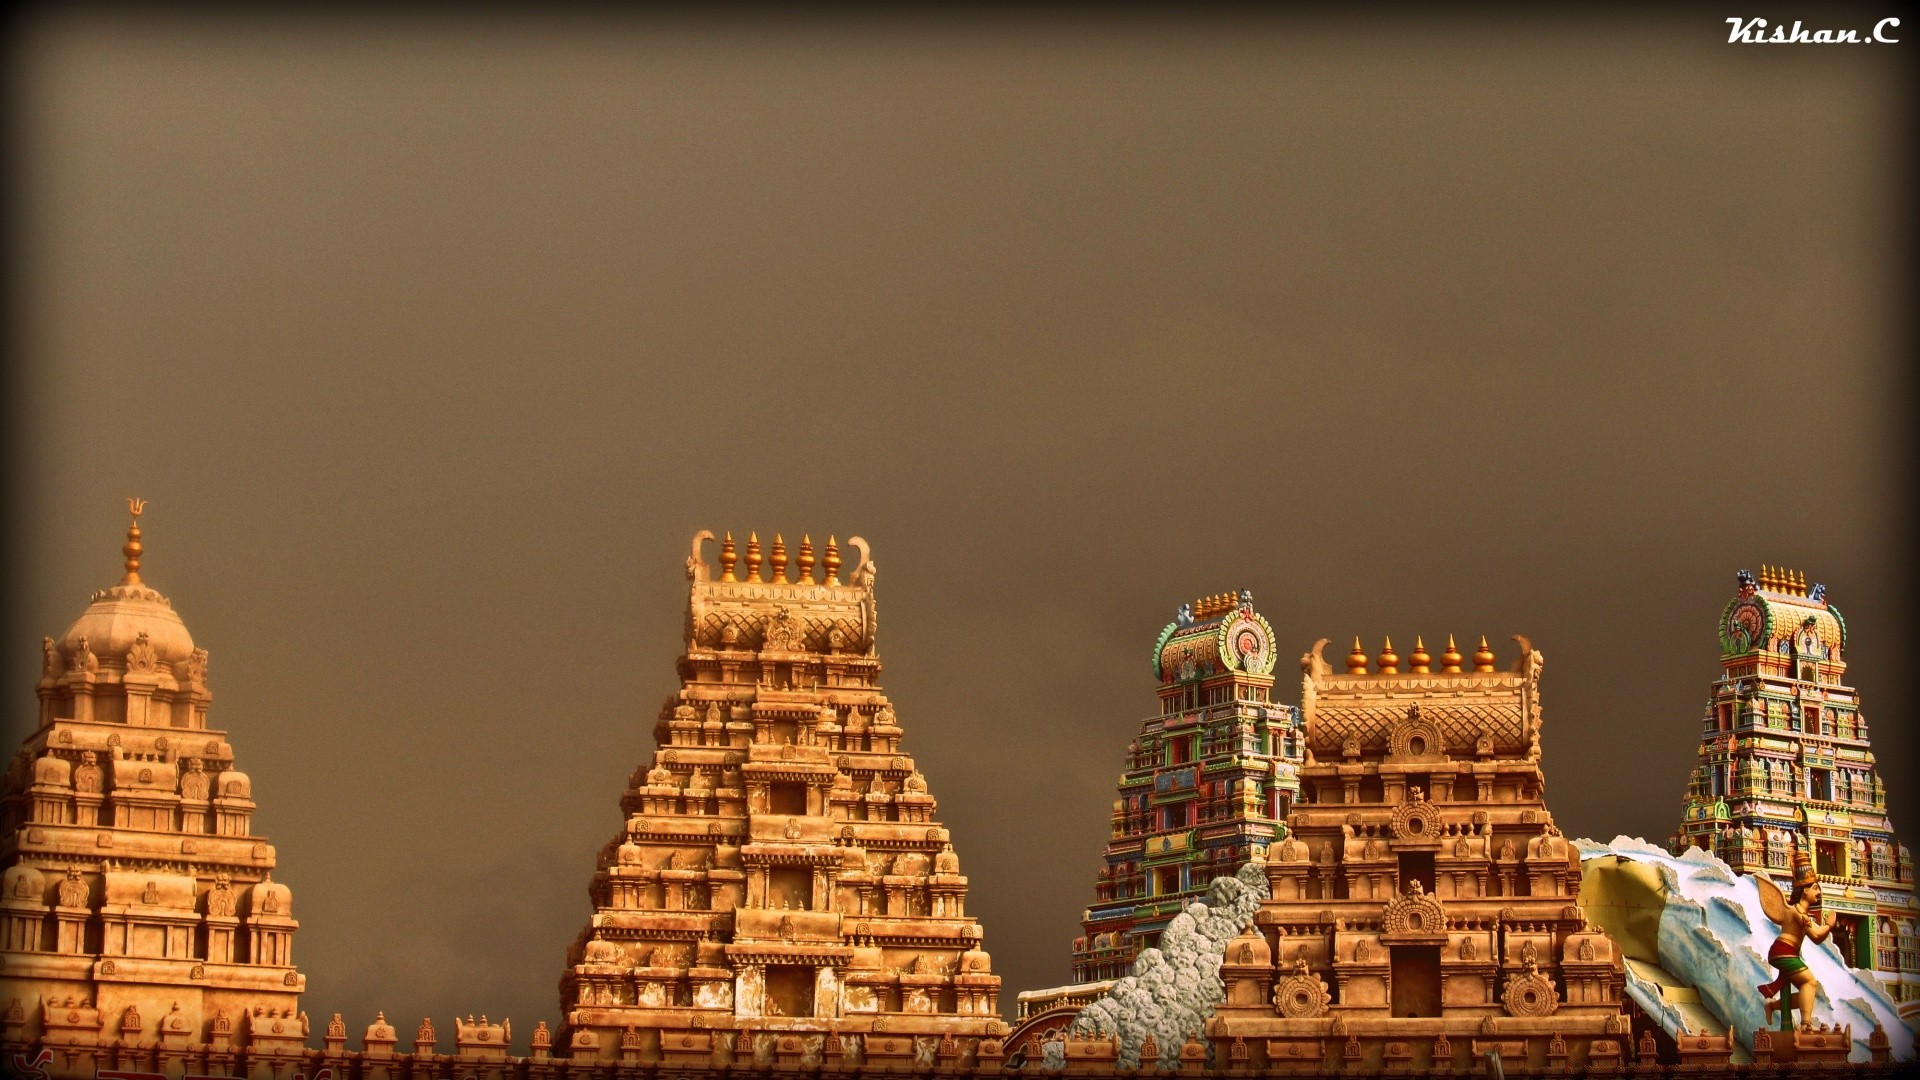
x=1531 y=994
x=1415 y=736
x=1300 y=994
x=1414 y=912
x=1414 y=821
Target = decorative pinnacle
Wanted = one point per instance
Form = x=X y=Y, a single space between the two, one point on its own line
x=753 y=556
x=1418 y=663
x=832 y=560
x=1483 y=656
x=806 y=559
x=131 y=549
x=1389 y=660
x=1450 y=660
x=779 y=559
x=727 y=558
x=1357 y=659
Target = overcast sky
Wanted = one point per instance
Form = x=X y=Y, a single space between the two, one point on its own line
x=431 y=345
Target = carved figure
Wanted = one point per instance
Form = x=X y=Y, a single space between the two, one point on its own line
x=193 y=783
x=86 y=778
x=1799 y=918
x=73 y=889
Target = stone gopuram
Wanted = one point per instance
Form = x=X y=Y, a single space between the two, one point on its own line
x=1424 y=908
x=781 y=891
x=142 y=927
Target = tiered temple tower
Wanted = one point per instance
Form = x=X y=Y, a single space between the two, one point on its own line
x=1207 y=786
x=1424 y=909
x=1785 y=764
x=781 y=890
x=137 y=906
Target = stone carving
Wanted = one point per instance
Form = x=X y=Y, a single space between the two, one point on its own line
x=82 y=661
x=196 y=664
x=1530 y=994
x=782 y=632
x=86 y=778
x=193 y=782
x=150 y=894
x=142 y=658
x=1300 y=994
x=1468 y=950
x=50 y=662
x=1414 y=912
x=73 y=889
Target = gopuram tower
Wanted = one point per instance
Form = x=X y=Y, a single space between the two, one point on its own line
x=1424 y=908
x=1208 y=782
x=141 y=925
x=1785 y=765
x=781 y=890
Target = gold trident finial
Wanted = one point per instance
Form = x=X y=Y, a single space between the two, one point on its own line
x=131 y=549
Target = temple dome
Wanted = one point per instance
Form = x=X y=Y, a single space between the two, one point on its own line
x=117 y=617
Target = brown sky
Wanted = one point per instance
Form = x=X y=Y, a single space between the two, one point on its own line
x=432 y=344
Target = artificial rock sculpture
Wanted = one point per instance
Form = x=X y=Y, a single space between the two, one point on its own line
x=781 y=889
x=136 y=904
x=1424 y=910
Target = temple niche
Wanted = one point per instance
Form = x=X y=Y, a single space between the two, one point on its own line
x=1424 y=908
x=140 y=926
x=782 y=890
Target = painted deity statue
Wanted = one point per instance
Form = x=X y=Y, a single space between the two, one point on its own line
x=1800 y=919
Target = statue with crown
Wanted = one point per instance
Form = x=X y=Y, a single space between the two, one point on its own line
x=1800 y=919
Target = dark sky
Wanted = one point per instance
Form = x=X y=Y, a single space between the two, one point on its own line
x=432 y=344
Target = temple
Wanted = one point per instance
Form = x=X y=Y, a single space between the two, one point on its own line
x=1208 y=782
x=781 y=890
x=1424 y=909
x=142 y=925
x=1785 y=764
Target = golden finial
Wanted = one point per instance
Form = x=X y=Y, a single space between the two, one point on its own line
x=1389 y=660
x=1357 y=659
x=779 y=559
x=1418 y=662
x=1450 y=660
x=131 y=549
x=753 y=556
x=806 y=559
x=1483 y=656
x=832 y=560
x=1768 y=580
x=1799 y=583
x=727 y=558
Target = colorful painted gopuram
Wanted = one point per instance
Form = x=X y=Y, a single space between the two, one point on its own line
x=781 y=890
x=142 y=927
x=1208 y=781
x=1785 y=765
x=1424 y=908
